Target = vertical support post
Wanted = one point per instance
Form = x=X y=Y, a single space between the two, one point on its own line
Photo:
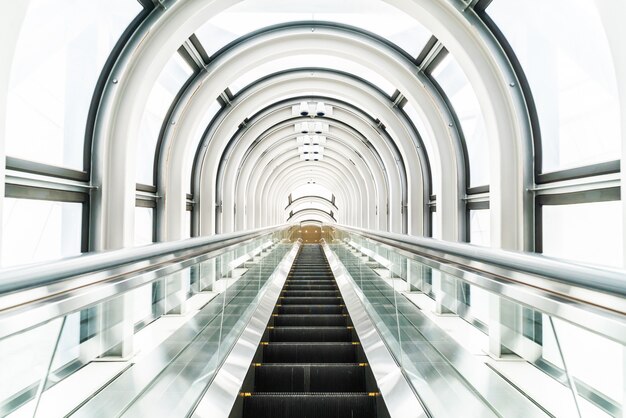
x=176 y=287
x=117 y=328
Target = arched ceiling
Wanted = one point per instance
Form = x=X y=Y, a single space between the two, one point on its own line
x=252 y=154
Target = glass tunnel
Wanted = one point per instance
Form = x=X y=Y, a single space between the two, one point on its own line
x=332 y=208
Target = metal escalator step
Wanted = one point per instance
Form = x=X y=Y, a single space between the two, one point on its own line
x=310 y=309
x=307 y=277
x=309 y=378
x=309 y=353
x=305 y=286
x=335 y=300
x=312 y=320
x=309 y=405
x=308 y=334
x=310 y=293
x=291 y=282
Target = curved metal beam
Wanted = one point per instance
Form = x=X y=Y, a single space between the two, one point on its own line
x=311 y=198
x=308 y=211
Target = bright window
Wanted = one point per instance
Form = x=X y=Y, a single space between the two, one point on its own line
x=457 y=87
x=590 y=358
x=371 y=15
x=585 y=232
x=39 y=230
x=62 y=48
x=480 y=227
x=144 y=225
x=311 y=190
x=570 y=70
x=172 y=77
x=314 y=60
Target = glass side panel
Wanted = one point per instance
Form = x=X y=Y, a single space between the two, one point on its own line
x=144 y=226
x=480 y=227
x=377 y=17
x=172 y=77
x=58 y=58
x=462 y=97
x=571 y=75
x=413 y=318
x=39 y=230
x=586 y=232
x=165 y=351
x=314 y=60
x=598 y=363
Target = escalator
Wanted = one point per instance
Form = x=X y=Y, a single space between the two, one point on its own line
x=310 y=362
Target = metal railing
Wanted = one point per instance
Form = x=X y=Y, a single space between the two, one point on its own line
x=37 y=293
x=549 y=312
x=593 y=297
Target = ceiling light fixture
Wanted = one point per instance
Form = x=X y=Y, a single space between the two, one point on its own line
x=320 y=109
x=304 y=109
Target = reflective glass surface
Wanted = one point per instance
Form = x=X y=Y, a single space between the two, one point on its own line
x=45 y=368
x=465 y=104
x=144 y=225
x=570 y=70
x=585 y=232
x=59 y=55
x=314 y=60
x=548 y=346
x=374 y=16
x=480 y=227
x=311 y=190
x=39 y=230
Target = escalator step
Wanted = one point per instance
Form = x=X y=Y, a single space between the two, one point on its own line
x=335 y=300
x=308 y=334
x=305 y=286
x=309 y=352
x=304 y=405
x=310 y=282
x=310 y=309
x=310 y=320
x=310 y=293
x=309 y=378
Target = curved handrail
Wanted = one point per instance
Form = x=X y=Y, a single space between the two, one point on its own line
x=20 y=278
x=603 y=279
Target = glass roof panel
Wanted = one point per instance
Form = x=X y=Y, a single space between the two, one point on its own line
x=372 y=15
x=571 y=75
x=457 y=87
x=311 y=190
x=58 y=59
x=313 y=60
x=171 y=79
